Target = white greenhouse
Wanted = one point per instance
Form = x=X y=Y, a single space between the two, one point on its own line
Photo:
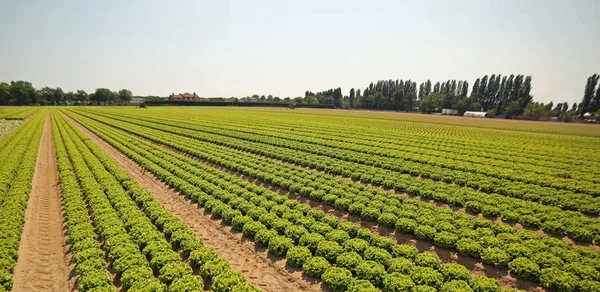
x=475 y=114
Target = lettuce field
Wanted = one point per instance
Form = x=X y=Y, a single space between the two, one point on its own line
x=267 y=199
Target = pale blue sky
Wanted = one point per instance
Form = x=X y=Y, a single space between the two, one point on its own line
x=237 y=48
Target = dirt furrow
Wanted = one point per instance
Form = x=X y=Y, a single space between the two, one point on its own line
x=44 y=262
x=264 y=271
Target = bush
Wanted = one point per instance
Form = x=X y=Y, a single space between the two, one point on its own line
x=187 y=283
x=349 y=260
x=337 y=235
x=280 y=244
x=372 y=271
x=362 y=286
x=469 y=247
x=426 y=276
x=425 y=232
x=495 y=256
x=315 y=266
x=455 y=272
x=329 y=250
x=525 y=268
x=406 y=225
x=483 y=284
x=225 y=281
x=338 y=279
x=264 y=236
x=428 y=259
x=456 y=286
x=559 y=280
x=297 y=256
x=378 y=255
x=394 y=282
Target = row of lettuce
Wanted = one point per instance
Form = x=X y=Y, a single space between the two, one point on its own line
x=498 y=244
x=344 y=256
x=530 y=214
x=17 y=113
x=144 y=245
x=419 y=142
x=578 y=179
x=430 y=163
x=553 y=151
x=18 y=152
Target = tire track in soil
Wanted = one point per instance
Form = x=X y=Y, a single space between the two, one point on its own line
x=266 y=272
x=44 y=262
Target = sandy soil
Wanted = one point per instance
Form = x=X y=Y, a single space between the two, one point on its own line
x=44 y=264
x=264 y=271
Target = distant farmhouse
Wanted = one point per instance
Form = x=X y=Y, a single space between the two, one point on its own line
x=185 y=96
x=136 y=100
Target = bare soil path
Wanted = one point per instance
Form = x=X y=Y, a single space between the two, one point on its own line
x=262 y=270
x=43 y=263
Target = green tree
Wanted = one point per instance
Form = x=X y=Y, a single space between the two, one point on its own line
x=512 y=108
x=82 y=97
x=588 y=94
x=398 y=99
x=409 y=101
x=102 y=96
x=22 y=92
x=6 y=97
x=429 y=103
x=124 y=95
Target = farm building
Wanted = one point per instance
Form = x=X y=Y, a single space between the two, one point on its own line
x=185 y=96
x=136 y=100
x=475 y=114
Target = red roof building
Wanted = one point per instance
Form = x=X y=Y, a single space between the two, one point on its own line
x=185 y=96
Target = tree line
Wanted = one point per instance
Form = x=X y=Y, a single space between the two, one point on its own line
x=591 y=97
x=23 y=93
